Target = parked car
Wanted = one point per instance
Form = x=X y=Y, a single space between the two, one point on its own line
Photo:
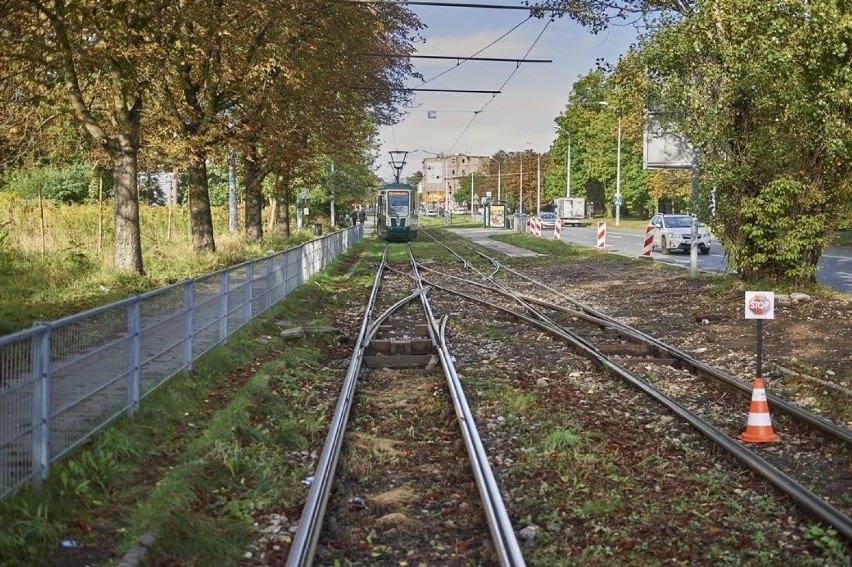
x=459 y=211
x=548 y=220
x=431 y=213
x=674 y=232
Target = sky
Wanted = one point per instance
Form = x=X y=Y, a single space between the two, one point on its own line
x=523 y=115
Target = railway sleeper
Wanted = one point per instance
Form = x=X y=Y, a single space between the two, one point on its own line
x=395 y=347
x=635 y=352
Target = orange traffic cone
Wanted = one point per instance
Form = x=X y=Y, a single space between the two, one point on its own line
x=759 y=427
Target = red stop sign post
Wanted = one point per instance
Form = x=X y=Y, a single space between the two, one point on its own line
x=760 y=305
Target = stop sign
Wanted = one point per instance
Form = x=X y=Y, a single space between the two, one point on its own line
x=760 y=305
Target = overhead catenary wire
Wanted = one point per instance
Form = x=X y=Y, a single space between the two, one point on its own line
x=533 y=9
x=509 y=78
x=475 y=53
x=462 y=60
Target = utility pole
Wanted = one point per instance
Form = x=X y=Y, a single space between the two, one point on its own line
x=568 y=175
x=522 y=186
x=538 y=186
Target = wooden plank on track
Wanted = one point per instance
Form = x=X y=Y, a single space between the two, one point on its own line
x=398 y=361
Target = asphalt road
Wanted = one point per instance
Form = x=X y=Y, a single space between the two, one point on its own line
x=834 y=269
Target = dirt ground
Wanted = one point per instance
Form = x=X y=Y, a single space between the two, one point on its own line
x=806 y=348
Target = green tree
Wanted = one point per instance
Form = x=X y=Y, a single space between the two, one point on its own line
x=89 y=60
x=69 y=184
x=303 y=112
x=598 y=103
x=764 y=91
x=476 y=183
x=415 y=178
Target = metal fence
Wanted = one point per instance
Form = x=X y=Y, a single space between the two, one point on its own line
x=62 y=381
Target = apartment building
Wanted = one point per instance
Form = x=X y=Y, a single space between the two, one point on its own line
x=443 y=174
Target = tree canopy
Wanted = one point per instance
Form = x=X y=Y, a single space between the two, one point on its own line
x=763 y=91
x=288 y=84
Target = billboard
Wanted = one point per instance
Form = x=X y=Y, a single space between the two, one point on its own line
x=662 y=148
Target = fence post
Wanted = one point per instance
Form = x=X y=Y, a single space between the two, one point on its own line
x=224 y=296
x=285 y=273
x=281 y=276
x=188 y=311
x=41 y=402
x=269 y=283
x=325 y=253
x=134 y=336
x=302 y=255
x=249 y=290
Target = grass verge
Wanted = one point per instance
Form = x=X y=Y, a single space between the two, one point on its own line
x=204 y=453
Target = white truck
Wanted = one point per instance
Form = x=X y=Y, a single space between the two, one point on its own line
x=570 y=210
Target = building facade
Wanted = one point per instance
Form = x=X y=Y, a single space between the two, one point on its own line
x=442 y=179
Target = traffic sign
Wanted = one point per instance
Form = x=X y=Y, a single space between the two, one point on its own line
x=760 y=305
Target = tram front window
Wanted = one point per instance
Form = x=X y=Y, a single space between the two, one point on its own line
x=398 y=204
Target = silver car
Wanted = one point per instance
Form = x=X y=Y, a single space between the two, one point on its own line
x=674 y=232
x=548 y=220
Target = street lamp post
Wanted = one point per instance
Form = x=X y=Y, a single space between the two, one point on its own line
x=499 y=179
x=568 y=174
x=617 y=170
x=499 y=171
x=471 y=194
x=521 y=196
x=446 y=194
x=538 y=181
x=567 y=161
x=538 y=186
x=618 y=177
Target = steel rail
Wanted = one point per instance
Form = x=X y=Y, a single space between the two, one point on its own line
x=808 y=500
x=499 y=524
x=374 y=327
x=700 y=369
x=696 y=367
x=304 y=543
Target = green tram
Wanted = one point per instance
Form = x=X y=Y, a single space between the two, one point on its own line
x=396 y=212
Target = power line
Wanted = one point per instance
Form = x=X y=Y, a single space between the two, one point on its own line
x=509 y=78
x=531 y=9
x=461 y=58
x=427 y=90
x=442 y=73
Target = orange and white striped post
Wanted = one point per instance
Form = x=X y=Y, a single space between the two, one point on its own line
x=536 y=226
x=557 y=230
x=601 y=234
x=649 y=241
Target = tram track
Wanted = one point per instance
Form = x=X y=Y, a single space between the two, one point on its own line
x=343 y=539
x=591 y=468
x=672 y=378
x=669 y=480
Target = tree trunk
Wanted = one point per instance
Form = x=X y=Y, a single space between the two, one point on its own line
x=128 y=237
x=254 y=200
x=281 y=224
x=273 y=206
x=286 y=214
x=200 y=217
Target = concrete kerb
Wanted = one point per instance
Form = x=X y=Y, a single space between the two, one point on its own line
x=482 y=236
x=134 y=557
